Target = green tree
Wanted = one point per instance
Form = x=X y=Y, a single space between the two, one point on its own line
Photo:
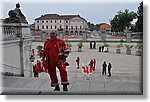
x=139 y=23
x=93 y=27
x=122 y=20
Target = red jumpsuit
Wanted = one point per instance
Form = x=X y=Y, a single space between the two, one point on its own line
x=39 y=66
x=78 y=61
x=94 y=63
x=35 y=71
x=56 y=51
x=91 y=64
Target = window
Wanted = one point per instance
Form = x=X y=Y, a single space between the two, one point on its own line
x=76 y=27
x=80 y=27
x=51 y=21
x=60 y=27
x=42 y=27
x=46 y=27
x=66 y=21
x=38 y=27
x=51 y=27
x=55 y=27
x=66 y=27
x=42 y=21
x=71 y=27
x=46 y=21
x=37 y=21
x=55 y=21
x=60 y=21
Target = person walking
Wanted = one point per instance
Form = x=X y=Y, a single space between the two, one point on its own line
x=35 y=71
x=100 y=48
x=94 y=64
x=104 y=68
x=91 y=64
x=78 y=62
x=109 y=69
x=56 y=52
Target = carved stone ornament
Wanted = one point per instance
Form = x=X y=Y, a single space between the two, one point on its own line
x=16 y=16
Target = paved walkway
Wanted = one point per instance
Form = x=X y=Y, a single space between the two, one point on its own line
x=126 y=76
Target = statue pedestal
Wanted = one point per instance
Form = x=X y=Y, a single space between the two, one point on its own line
x=17 y=50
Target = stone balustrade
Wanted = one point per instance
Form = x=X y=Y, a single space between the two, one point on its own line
x=9 y=31
x=16 y=47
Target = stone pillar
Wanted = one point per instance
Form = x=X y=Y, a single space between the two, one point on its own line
x=25 y=49
x=61 y=33
x=128 y=37
x=43 y=36
x=84 y=36
x=128 y=34
x=103 y=37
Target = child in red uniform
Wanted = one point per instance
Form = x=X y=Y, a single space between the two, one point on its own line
x=94 y=64
x=35 y=71
x=78 y=62
x=91 y=64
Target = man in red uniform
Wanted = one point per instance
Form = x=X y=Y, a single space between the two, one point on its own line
x=56 y=53
x=78 y=62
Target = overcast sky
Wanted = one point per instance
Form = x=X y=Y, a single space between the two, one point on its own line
x=94 y=11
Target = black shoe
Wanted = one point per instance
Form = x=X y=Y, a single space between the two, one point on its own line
x=77 y=67
x=65 y=88
x=57 y=88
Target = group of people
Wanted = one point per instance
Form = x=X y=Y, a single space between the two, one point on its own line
x=103 y=49
x=104 y=68
x=38 y=68
x=91 y=64
x=54 y=54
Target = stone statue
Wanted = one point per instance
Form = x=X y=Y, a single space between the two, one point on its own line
x=16 y=16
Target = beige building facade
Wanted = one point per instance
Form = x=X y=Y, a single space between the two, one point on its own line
x=65 y=24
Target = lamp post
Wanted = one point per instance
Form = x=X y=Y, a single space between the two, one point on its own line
x=32 y=58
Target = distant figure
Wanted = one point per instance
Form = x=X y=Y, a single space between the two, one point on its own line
x=91 y=64
x=78 y=62
x=35 y=71
x=33 y=52
x=109 y=69
x=40 y=68
x=102 y=48
x=41 y=53
x=105 y=49
x=104 y=68
x=94 y=63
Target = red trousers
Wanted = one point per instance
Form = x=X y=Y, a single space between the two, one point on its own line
x=53 y=74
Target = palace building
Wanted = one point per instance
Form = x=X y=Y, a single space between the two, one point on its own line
x=66 y=24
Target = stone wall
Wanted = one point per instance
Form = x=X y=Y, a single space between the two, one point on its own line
x=16 y=48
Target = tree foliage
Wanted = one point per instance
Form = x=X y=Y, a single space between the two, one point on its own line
x=139 y=23
x=93 y=27
x=122 y=20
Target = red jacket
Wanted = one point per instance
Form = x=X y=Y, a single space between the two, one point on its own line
x=55 y=51
x=77 y=60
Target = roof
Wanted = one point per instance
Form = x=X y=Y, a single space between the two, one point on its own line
x=104 y=24
x=56 y=16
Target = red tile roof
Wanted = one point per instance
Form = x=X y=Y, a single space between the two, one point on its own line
x=56 y=16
